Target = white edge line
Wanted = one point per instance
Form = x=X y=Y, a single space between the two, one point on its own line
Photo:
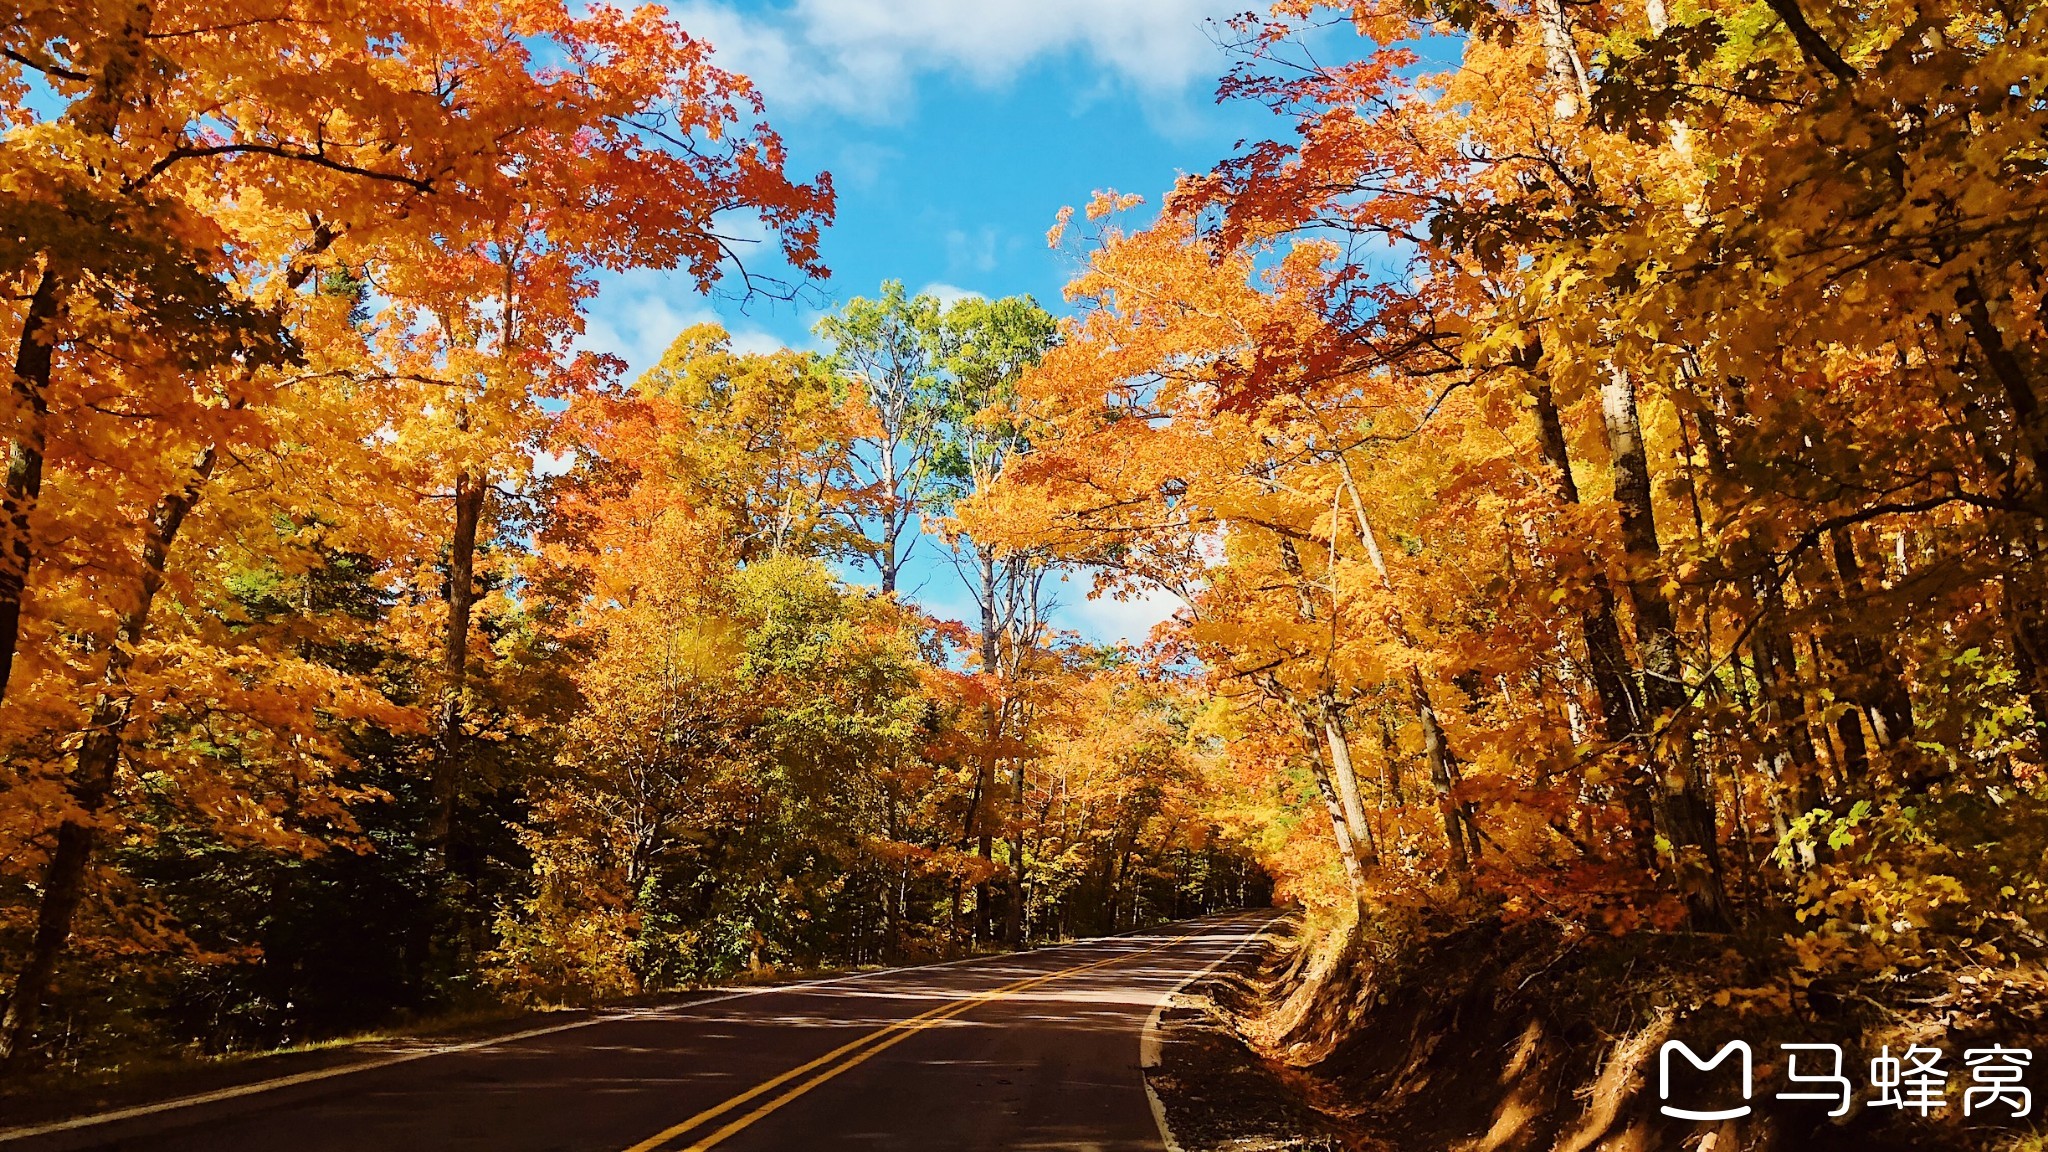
x=1151 y=1048
x=95 y=1119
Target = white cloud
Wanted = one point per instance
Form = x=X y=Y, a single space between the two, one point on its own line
x=861 y=164
x=860 y=57
x=971 y=251
x=638 y=314
x=949 y=294
x=547 y=463
x=1106 y=620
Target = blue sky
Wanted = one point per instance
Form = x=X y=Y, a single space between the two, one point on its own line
x=955 y=131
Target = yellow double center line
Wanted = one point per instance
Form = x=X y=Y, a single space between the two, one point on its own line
x=854 y=1052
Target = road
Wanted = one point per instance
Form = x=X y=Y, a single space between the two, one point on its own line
x=1037 y=1050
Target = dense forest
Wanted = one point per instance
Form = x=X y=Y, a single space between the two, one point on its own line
x=1609 y=471
x=370 y=651
x=1599 y=446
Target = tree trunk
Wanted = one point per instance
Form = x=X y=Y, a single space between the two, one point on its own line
x=1442 y=777
x=2025 y=611
x=1614 y=678
x=1013 y=914
x=2005 y=368
x=1340 y=829
x=1390 y=768
x=992 y=720
x=1794 y=760
x=1681 y=797
x=1346 y=779
x=887 y=561
x=974 y=830
x=1436 y=750
x=1561 y=60
x=1876 y=677
x=991 y=635
x=892 y=891
x=953 y=921
x=470 y=491
x=984 y=892
x=24 y=486
x=92 y=780
x=1881 y=691
x=1313 y=735
x=1623 y=714
x=1340 y=824
x=1790 y=762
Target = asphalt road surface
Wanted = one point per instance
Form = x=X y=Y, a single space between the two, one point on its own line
x=1039 y=1050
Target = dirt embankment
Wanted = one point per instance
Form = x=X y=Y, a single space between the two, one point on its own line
x=1490 y=1037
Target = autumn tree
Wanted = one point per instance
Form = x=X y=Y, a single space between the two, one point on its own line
x=192 y=197
x=1493 y=414
x=989 y=345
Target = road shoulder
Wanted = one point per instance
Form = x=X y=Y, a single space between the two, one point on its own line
x=1215 y=1094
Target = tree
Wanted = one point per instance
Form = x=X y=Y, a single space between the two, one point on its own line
x=890 y=350
x=1609 y=444
x=187 y=194
x=762 y=438
x=989 y=345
